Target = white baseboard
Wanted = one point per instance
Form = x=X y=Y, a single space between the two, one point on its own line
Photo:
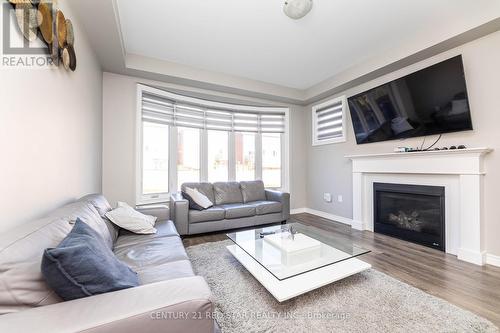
x=474 y=257
x=358 y=225
x=325 y=215
x=493 y=260
x=298 y=211
x=329 y=216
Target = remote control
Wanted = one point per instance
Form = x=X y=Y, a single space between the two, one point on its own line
x=267 y=233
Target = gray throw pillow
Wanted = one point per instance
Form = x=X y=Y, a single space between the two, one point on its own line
x=83 y=265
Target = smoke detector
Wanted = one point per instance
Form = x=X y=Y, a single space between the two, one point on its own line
x=297 y=9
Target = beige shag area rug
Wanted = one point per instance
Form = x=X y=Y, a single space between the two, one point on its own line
x=367 y=302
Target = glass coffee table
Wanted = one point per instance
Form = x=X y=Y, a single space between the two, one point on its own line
x=292 y=259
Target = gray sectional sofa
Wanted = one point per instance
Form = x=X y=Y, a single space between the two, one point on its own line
x=236 y=205
x=168 y=285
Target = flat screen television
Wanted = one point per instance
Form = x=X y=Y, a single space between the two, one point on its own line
x=431 y=101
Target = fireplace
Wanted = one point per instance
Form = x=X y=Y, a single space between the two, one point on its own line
x=410 y=212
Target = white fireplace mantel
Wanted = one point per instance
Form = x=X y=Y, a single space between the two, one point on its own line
x=460 y=171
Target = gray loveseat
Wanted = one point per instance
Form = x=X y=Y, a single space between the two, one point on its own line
x=236 y=205
x=169 y=289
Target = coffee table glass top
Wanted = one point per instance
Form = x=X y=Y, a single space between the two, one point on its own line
x=292 y=249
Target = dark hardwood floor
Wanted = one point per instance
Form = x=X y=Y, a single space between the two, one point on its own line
x=468 y=286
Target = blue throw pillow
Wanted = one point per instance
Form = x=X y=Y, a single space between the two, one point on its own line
x=83 y=265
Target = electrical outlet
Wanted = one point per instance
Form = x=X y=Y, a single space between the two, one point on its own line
x=340 y=198
x=327 y=197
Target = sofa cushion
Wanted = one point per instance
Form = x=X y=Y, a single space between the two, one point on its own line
x=227 y=192
x=168 y=271
x=253 y=191
x=22 y=285
x=266 y=207
x=211 y=214
x=86 y=212
x=205 y=188
x=102 y=206
x=163 y=229
x=155 y=257
x=238 y=210
x=83 y=265
x=154 y=252
x=99 y=202
x=161 y=211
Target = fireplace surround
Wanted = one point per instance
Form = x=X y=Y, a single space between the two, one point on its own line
x=415 y=213
x=461 y=173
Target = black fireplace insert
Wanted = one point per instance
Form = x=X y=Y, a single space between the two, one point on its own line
x=414 y=213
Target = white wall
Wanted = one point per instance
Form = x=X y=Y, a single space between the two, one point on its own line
x=329 y=171
x=119 y=124
x=50 y=135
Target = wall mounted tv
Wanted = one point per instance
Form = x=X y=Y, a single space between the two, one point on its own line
x=431 y=101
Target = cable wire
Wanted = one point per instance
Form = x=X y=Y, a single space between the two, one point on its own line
x=439 y=138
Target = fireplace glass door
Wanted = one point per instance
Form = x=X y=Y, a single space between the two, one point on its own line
x=411 y=212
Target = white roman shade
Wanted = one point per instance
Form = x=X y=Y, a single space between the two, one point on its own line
x=328 y=121
x=226 y=117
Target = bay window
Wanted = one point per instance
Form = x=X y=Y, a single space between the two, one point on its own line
x=188 y=155
x=271 y=159
x=155 y=158
x=183 y=139
x=218 y=155
x=244 y=148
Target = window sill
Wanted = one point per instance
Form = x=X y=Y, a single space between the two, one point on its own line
x=163 y=199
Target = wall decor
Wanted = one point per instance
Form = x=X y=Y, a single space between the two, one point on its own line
x=69 y=57
x=28 y=19
x=46 y=26
x=15 y=2
x=70 y=35
x=41 y=19
x=61 y=28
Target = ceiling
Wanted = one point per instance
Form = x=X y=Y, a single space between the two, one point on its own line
x=254 y=39
x=249 y=47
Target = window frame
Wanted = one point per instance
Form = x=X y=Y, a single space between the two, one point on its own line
x=153 y=197
x=262 y=163
x=256 y=173
x=204 y=152
x=142 y=199
x=343 y=138
x=200 y=155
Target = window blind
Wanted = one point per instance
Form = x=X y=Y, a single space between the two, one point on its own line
x=329 y=122
x=158 y=109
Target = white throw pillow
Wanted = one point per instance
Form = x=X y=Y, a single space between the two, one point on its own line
x=128 y=218
x=199 y=198
x=150 y=219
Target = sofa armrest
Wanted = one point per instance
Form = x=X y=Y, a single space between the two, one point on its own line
x=283 y=198
x=160 y=211
x=179 y=209
x=179 y=305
